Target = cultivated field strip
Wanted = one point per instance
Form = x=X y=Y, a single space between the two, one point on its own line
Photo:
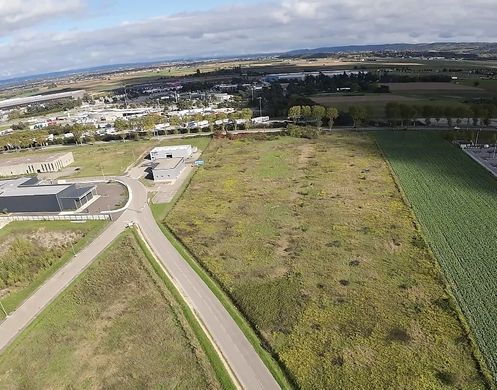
x=455 y=201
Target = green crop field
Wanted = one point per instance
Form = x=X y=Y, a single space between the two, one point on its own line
x=454 y=199
x=30 y=252
x=117 y=326
x=313 y=242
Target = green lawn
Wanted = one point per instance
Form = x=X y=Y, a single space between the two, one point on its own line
x=312 y=241
x=117 y=326
x=454 y=200
x=110 y=158
x=30 y=252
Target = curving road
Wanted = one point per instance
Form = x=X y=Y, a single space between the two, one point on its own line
x=238 y=353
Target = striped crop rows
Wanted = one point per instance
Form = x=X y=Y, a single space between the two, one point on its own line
x=455 y=202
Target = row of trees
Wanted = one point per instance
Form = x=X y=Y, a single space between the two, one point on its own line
x=148 y=122
x=479 y=114
x=313 y=113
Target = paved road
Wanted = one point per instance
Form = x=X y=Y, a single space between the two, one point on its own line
x=243 y=360
x=28 y=311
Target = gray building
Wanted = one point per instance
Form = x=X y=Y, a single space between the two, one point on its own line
x=165 y=169
x=17 y=166
x=24 y=101
x=28 y=195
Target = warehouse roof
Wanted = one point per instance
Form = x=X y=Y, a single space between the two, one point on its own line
x=167 y=163
x=30 y=186
x=74 y=192
x=33 y=190
x=31 y=159
x=173 y=147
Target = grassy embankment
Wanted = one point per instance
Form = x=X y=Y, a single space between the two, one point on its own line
x=31 y=252
x=314 y=243
x=118 y=325
x=454 y=200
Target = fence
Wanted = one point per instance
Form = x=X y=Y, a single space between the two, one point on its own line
x=74 y=217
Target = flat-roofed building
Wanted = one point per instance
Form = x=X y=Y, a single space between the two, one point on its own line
x=183 y=151
x=37 y=99
x=16 y=166
x=28 y=195
x=165 y=169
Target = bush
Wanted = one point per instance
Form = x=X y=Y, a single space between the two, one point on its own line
x=302 y=132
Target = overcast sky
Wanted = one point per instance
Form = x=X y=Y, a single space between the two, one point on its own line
x=38 y=36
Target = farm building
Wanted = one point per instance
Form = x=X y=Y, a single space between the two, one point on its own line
x=28 y=195
x=38 y=164
x=178 y=151
x=164 y=169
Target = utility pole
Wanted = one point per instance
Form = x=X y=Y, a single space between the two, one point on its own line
x=3 y=309
x=260 y=105
x=477 y=134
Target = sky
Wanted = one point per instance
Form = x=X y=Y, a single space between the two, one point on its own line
x=39 y=36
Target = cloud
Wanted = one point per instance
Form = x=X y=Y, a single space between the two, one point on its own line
x=19 y=14
x=241 y=29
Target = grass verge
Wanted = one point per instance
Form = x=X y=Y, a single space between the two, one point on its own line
x=90 y=230
x=213 y=356
x=116 y=326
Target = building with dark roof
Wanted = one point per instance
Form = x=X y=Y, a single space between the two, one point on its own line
x=28 y=195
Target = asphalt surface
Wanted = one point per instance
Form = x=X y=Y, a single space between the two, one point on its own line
x=243 y=360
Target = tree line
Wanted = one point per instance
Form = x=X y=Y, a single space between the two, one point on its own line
x=406 y=114
x=314 y=114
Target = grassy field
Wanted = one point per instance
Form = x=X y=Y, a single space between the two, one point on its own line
x=487 y=85
x=313 y=242
x=117 y=326
x=454 y=200
x=111 y=158
x=30 y=252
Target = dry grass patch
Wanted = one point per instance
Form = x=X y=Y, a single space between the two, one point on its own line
x=300 y=234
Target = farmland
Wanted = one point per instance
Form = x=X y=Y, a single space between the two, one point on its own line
x=415 y=93
x=32 y=251
x=117 y=326
x=454 y=200
x=312 y=241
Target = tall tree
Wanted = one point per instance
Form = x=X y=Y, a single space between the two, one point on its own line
x=294 y=113
x=358 y=115
x=306 y=112
x=331 y=115
x=318 y=113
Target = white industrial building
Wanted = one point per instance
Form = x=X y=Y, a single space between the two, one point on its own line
x=177 y=151
x=35 y=164
x=166 y=169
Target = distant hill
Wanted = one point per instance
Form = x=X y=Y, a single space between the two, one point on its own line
x=482 y=49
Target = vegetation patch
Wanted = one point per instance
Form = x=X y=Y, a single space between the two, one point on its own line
x=315 y=256
x=117 y=326
x=30 y=252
